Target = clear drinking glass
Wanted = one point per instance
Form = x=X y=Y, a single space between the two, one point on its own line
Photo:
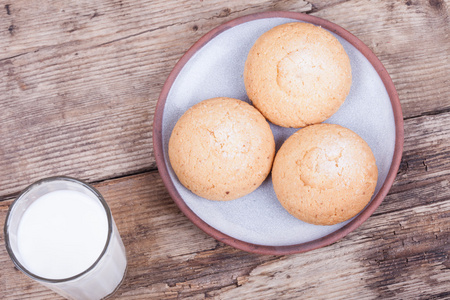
x=40 y=223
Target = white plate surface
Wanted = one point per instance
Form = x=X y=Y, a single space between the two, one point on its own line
x=216 y=70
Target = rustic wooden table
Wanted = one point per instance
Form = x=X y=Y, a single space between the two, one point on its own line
x=79 y=85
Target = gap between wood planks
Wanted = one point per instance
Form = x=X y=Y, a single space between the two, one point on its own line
x=153 y=170
x=123 y=176
x=428 y=113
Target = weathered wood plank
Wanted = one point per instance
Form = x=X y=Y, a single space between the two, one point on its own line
x=82 y=102
x=392 y=254
x=412 y=40
x=27 y=27
x=164 y=248
x=79 y=98
x=400 y=252
x=425 y=164
x=379 y=260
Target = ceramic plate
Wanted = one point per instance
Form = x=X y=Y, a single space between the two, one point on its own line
x=213 y=67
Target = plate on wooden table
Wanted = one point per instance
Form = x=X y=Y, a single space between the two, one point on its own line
x=213 y=67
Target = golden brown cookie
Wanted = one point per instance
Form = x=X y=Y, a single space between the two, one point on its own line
x=324 y=174
x=297 y=74
x=221 y=149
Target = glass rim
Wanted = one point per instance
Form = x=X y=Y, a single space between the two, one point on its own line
x=26 y=191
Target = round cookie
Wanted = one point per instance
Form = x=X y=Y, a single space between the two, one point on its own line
x=222 y=149
x=297 y=74
x=324 y=174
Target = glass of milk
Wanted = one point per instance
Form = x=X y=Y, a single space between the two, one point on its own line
x=60 y=232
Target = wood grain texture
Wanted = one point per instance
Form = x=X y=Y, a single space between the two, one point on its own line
x=401 y=252
x=392 y=255
x=100 y=22
x=425 y=164
x=80 y=80
x=412 y=40
x=79 y=92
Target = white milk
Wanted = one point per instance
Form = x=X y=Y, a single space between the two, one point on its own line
x=62 y=234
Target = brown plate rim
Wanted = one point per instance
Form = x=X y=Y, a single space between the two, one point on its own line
x=288 y=249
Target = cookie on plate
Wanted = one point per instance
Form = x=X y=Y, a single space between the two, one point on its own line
x=324 y=174
x=221 y=149
x=297 y=74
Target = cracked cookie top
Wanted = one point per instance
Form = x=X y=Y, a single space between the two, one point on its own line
x=297 y=74
x=324 y=174
x=221 y=149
